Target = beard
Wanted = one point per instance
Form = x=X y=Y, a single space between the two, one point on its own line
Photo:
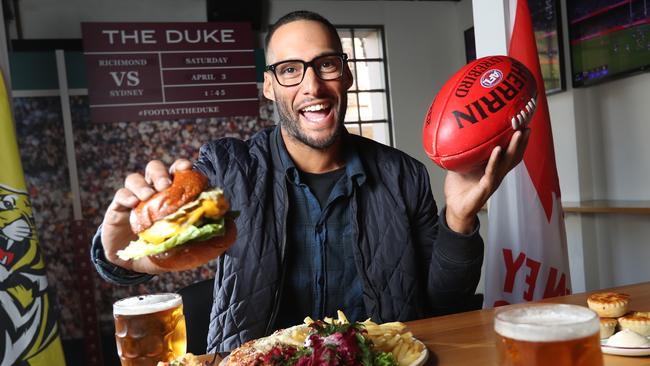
x=292 y=125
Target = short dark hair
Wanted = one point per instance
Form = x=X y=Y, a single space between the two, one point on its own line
x=302 y=15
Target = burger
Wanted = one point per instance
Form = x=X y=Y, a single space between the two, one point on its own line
x=183 y=226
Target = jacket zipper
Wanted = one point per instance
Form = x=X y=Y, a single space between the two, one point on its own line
x=278 y=290
x=362 y=267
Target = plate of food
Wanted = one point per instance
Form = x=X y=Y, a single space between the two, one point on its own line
x=320 y=341
x=626 y=343
x=622 y=332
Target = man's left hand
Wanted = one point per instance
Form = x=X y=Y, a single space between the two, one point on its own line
x=466 y=193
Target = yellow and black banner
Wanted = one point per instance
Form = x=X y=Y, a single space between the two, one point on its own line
x=28 y=326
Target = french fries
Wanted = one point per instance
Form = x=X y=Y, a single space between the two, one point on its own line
x=391 y=337
x=387 y=337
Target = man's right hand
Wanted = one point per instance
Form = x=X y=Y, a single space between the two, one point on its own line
x=116 y=230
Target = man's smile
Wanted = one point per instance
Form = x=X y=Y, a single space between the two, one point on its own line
x=316 y=112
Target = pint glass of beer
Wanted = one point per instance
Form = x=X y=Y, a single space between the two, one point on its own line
x=149 y=328
x=547 y=334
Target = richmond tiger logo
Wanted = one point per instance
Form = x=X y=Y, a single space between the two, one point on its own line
x=27 y=325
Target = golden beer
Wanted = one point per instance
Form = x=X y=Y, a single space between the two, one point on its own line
x=149 y=328
x=549 y=334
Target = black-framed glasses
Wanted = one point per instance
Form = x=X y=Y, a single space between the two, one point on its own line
x=292 y=72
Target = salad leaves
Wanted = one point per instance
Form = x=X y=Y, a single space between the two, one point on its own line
x=331 y=345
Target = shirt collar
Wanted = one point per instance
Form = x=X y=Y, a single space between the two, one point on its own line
x=353 y=166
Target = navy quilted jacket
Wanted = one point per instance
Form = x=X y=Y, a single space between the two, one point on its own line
x=411 y=265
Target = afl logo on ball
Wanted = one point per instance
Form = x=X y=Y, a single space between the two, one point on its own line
x=491 y=78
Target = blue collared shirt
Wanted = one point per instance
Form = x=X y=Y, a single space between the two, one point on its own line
x=320 y=272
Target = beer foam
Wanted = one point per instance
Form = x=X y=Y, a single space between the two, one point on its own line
x=546 y=323
x=146 y=304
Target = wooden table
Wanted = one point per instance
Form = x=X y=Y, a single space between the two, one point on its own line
x=468 y=338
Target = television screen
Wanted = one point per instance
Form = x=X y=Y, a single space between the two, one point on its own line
x=545 y=15
x=546 y=24
x=608 y=38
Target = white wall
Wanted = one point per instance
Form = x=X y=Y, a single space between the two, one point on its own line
x=62 y=18
x=600 y=137
x=611 y=124
x=623 y=116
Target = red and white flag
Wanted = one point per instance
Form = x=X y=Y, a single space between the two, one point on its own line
x=527 y=252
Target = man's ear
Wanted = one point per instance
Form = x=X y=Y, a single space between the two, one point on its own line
x=268 y=86
x=349 y=79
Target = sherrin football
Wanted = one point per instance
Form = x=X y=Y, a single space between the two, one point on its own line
x=477 y=109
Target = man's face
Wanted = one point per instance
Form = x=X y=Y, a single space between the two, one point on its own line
x=311 y=112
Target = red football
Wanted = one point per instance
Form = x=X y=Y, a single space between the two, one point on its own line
x=478 y=109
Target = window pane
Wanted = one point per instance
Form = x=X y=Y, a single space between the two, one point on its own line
x=376 y=131
x=370 y=75
x=353 y=128
x=353 y=66
x=372 y=106
x=352 y=113
x=346 y=40
x=367 y=43
x=367 y=98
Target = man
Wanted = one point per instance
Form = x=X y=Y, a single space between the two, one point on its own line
x=328 y=220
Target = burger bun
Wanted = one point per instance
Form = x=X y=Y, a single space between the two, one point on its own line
x=198 y=253
x=186 y=186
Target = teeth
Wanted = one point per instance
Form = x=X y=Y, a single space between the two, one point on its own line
x=514 y=122
x=314 y=108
